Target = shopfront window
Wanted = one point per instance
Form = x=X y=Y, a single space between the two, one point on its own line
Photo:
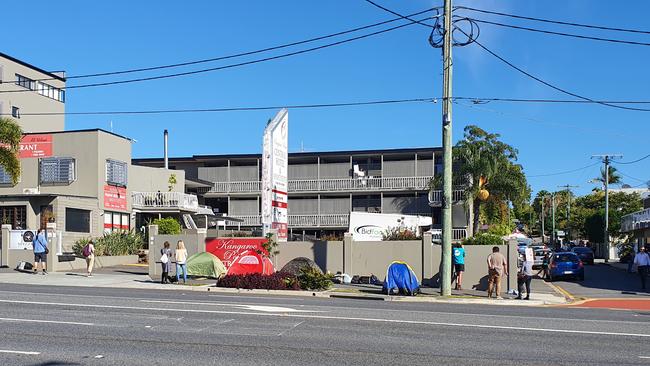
x=16 y=216
x=116 y=221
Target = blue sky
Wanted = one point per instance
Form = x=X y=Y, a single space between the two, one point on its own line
x=85 y=37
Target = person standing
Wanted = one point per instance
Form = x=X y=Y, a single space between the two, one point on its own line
x=89 y=253
x=165 y=260
x=546 y=260
x=497 y=267
x=459 y=264
x=39 y=243
x=181 y=261
x=642 y=262
x=524 y=276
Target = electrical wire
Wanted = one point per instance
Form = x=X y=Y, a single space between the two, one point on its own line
x=236 y=55
x=561 y=33
x=633 y=161
x=478 y=100
x=631 y=177
x=564 y=91
x=561 y=173
x=573 y=24
x=235 y=109
x=167 y=76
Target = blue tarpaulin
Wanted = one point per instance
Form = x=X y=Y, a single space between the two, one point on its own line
x=400 y=279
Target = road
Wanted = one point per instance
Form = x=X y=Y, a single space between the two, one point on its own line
x=92 y=326
x=604 y=281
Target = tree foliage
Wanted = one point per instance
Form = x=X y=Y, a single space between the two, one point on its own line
x=10 y=136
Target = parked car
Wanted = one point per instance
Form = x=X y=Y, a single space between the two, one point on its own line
x=585 y=254
x=566 y=264
x=539 y=252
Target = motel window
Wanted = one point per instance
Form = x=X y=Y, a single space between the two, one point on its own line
x=114 y=221
x=15 y=112
x=24 y=82
x=5 y=177
x=116 y=172
x=16 y=216
x=57 y=170
x=50 y=91
x=77 y=220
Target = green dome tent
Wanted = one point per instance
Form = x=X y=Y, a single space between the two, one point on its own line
x=205 y=265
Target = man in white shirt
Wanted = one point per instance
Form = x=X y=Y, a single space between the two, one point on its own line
x=642 y=262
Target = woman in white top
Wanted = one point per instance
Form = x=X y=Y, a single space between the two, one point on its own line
x=181 y=260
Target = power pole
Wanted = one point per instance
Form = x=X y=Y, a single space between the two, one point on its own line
x=542 y=212
x=445 y=283
x=553 y=213
x=606 y=159
x=568 y=208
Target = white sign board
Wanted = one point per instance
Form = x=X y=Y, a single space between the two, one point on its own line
x=275 y=167
x=530 y=254
x=21 y=239
x=366 y=226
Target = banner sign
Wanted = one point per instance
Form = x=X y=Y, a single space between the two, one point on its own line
x=21 y=239
x=275 y=168
x=115 y=198
x=229 y=249
x=36 y=146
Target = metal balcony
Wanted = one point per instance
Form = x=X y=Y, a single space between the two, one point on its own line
x=164 y=201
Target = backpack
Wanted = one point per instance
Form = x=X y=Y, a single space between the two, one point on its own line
x=86 y=250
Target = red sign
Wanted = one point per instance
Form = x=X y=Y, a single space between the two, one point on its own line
x=36 y=146
x=251 y=262
x=114 y=198
x=229 y=249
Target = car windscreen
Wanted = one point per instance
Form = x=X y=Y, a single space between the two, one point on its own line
x=566 y=257
x=581 y=250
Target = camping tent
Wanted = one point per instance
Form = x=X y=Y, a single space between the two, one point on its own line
x=205 y=265
x=250 y=261
x=295 y=265
x=401 y=279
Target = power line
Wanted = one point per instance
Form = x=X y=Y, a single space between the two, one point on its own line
x=235 y=109
x=564 y=91
x=167 y=76
x=631 y=177
x=236 y=55
x=561 y=173
x=633 y=161
x=562 y=33
x=478 y=100
x=407 y=17
x=573 y=24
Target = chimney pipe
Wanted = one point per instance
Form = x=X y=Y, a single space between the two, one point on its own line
x=166 y=156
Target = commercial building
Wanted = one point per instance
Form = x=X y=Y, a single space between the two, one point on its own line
x=324 y=187
x=26 y=89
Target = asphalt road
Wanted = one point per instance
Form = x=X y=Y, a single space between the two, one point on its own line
x=604 y=281
x=94 y=326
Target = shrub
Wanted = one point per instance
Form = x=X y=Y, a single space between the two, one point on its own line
x=276 y=281
x=168 y=226
x=483 y=239
x=397 y=233
x=270 y=246
x=113 y=244
x=240 y=234
x=500 y=229
x=332 y=237
x=311 y=278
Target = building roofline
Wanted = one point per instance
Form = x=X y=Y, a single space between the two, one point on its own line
x=195 y=158
x=36 y=68
x=82 y=130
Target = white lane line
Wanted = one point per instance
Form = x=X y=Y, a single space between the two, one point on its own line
x=290 y=329
x=339 y=318
x=645 y=357
x=19 y=352
x=253 y=307
x=43 y=321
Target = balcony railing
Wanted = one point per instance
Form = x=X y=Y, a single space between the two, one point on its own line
x=329 y=185
x=435 y=197
x=325 y=220
x=636 y=220
x=165 y=201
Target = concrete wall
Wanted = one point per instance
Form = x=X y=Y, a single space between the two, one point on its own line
x=100 y=262
x=328 y=255
x=194 y=243
x=146 y=179
x=30 y=101
x=375 y=257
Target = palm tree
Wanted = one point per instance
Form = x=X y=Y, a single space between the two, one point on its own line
x=10 y=136
x=614 y=177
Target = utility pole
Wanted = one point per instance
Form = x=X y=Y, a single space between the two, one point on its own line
x=568 y=208
x=606 y=159
x=445 y=283
x=541 y=201
x=553 y=213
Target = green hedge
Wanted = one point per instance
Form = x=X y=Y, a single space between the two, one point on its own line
x=113 y=244
x=483 y=239
x=168 y=226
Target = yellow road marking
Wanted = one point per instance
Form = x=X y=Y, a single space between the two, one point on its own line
x=137 y=265
x=561 y=291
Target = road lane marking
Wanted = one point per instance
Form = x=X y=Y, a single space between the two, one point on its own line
x=290 y=329
x=644 y=357
x=43 y=321
x=19 y=352
x=339 y=318
x=264 y=308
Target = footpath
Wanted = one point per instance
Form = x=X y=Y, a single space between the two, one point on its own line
x=135 y=277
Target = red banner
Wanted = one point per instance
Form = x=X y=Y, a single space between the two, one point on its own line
x=114 y=198
x=36 y=146
x=228 y=249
